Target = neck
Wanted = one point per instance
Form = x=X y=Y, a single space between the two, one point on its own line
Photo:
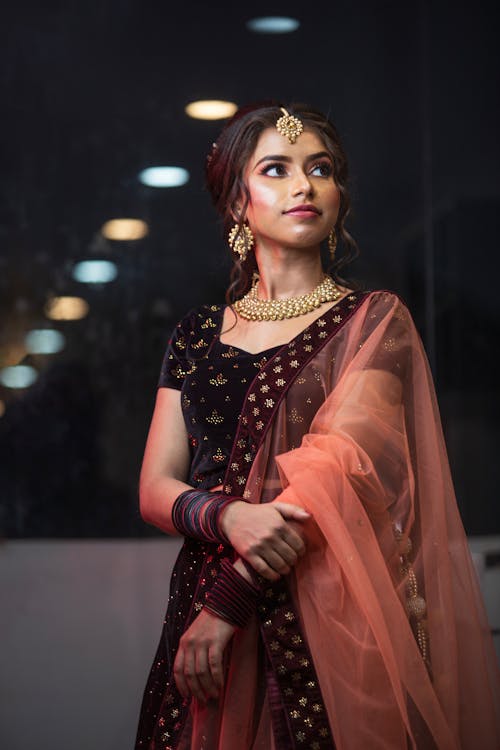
x=288 y=272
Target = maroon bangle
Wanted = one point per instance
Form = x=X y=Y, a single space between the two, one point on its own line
x=232 y=597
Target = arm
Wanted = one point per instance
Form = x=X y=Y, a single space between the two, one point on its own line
x=260 y=534
x=166 y=461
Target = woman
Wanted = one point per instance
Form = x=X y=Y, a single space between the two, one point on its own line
x=324 y=596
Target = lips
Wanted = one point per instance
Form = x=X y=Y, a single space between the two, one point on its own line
x=303 y=209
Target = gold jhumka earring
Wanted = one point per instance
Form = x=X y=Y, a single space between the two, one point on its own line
x=289 y=126
x=241 y=240
x=332 y=243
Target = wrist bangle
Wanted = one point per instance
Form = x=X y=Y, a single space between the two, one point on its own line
x=196 y=514
x=232 y=597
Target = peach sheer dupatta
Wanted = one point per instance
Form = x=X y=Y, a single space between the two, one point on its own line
x=386 y=539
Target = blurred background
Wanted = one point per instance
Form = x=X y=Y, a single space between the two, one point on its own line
x=93 y=94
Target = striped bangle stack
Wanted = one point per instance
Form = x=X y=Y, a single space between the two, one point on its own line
x=232 y=597
x=196 y=514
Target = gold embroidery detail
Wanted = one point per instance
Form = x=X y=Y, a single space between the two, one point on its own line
x=230 y=353
x=337 y=319
x=317 y=708
x=303 y=701
x=295 y=714
x=218 y=380
x=269 y=403
x=296 y=640
x=200 y=344
x=294 y=363
x=264 y=388
x=256 y=411
x=300 y=736
x=181 y=343
x=259 y=425
x=278 y=368
x=219 y=456
x=214 y=418
x=274 y=646
x=235 y=466
x=295 y=417
x=252 y=397
x=209 y=323
x=289 y=616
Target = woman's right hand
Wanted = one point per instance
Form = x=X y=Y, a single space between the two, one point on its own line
x=267 y=535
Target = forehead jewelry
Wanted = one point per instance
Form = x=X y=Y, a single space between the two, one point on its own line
x=289 y=126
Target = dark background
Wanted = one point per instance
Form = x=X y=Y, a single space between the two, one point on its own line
x=91 y=93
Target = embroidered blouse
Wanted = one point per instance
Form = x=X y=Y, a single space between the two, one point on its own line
x=213 y=379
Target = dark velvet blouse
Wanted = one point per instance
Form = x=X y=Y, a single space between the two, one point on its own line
x=213 y=379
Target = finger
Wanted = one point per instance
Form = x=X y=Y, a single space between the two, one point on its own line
x=191 y=677
x=292 y=511
x=180 y=680
x=204 y=674
x=293 y=540
x=215 y=665
x=262 y=568
x=276 y=561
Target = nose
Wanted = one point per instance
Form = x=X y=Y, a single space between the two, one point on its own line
x=302 y=185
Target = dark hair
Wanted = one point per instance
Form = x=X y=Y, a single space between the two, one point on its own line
x=225 y=168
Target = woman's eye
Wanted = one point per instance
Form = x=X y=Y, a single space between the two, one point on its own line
x=275 y=170
x=324 y=169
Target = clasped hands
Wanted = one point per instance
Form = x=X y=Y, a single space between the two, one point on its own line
x=270 y=538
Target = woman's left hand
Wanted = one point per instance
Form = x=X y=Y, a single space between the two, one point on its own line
x=198 y=666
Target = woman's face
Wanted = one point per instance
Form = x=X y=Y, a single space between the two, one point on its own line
x=294 y=201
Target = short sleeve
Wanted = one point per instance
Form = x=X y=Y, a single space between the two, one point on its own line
x=175 y=365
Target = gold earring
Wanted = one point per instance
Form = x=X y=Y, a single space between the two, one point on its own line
x=241 y=240
x=332 y=243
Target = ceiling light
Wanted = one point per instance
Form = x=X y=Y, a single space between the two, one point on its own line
x=95 y=271
x=19 y=376
x=273 y=25
x=44 y=341
x=66 y=308
x=210 y=109
x=125 y=229
x=164 y=176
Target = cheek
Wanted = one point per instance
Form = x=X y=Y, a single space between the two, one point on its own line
x=263 y=198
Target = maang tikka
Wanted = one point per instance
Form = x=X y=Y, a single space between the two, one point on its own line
x=289 y=126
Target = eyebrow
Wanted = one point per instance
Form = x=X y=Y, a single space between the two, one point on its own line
x=282 y=157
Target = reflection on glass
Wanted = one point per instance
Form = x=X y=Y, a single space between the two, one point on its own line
x=164 y=176
x=19 y=376
x=273 y=25
x=44 y=341
x=210 y=109
x=66 y=308
x=125 y=229
x=95 y=271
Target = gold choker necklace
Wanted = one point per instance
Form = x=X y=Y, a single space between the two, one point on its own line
x=253 y=308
